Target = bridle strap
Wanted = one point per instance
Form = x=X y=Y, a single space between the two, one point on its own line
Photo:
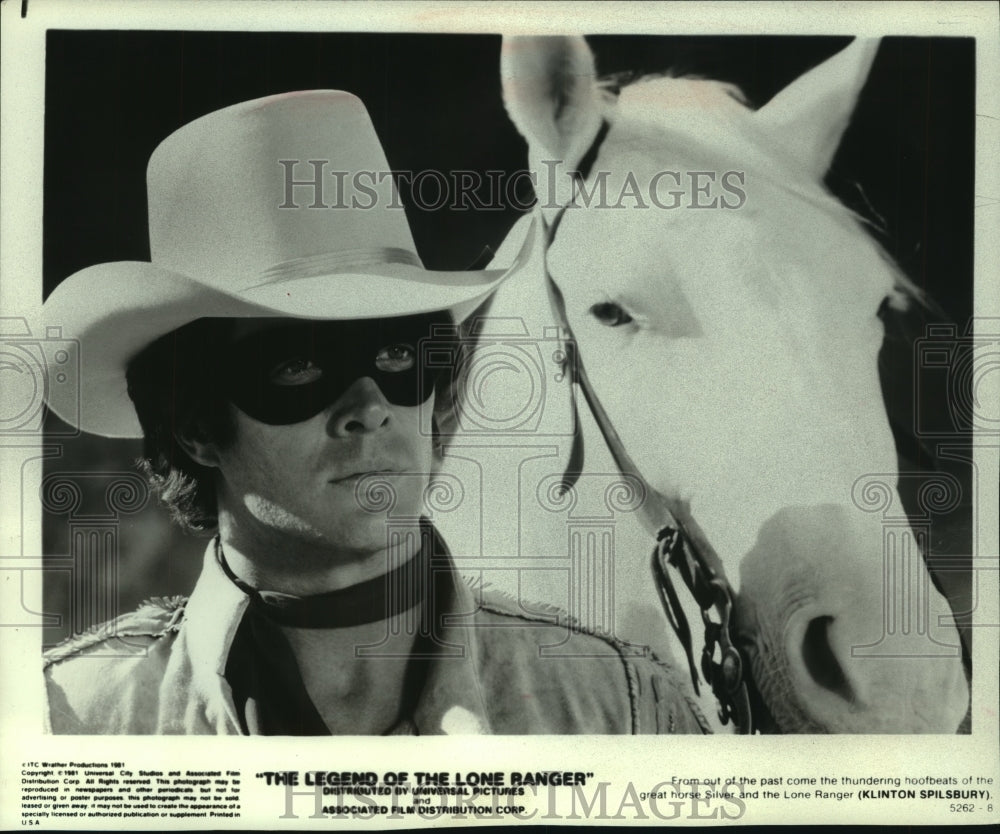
x=680 y=543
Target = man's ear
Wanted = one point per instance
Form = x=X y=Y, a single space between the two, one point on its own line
x=194 y=439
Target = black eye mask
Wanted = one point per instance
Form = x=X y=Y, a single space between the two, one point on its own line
x=293 y=372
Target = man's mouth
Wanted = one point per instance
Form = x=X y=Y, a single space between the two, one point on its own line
x=353 y=477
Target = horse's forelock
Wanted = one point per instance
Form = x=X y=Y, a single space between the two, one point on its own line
x=616 y=83
x=679 y=93
x=628 y=96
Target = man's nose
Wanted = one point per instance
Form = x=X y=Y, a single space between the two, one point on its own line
x=360 y=409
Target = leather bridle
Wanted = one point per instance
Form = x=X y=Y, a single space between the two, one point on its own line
x=681 y=545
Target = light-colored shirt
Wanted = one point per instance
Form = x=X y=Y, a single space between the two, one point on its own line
x=496 y=669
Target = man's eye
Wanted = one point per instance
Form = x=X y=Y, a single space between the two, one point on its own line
x=394 y=359
x=610 y=314
x=295 y=372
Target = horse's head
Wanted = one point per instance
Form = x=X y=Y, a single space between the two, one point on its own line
x=725 y=307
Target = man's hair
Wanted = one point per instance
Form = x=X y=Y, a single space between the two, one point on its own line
x=175 y=386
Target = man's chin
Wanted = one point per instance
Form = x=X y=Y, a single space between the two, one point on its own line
x=364 y=532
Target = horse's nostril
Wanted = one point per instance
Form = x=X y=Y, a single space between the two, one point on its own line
x=820 y=661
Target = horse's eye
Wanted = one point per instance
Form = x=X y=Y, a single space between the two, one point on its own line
x=610 y=314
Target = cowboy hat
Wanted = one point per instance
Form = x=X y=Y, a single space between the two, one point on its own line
x=280 y=206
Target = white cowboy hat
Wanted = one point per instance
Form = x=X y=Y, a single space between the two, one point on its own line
x=281 y=206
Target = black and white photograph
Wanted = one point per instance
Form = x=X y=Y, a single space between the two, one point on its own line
x=386 y=381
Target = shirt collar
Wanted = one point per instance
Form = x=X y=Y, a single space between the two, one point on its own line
x=452 y=699
x=212 y=616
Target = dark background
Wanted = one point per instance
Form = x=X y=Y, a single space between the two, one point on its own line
x=111 y=97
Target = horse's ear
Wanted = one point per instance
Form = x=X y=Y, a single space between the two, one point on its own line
x=551 y=94
x=810 y=115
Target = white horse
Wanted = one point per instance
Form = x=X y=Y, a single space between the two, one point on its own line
x=724 y=305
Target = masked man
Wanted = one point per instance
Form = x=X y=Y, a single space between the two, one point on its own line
x=270 y=356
